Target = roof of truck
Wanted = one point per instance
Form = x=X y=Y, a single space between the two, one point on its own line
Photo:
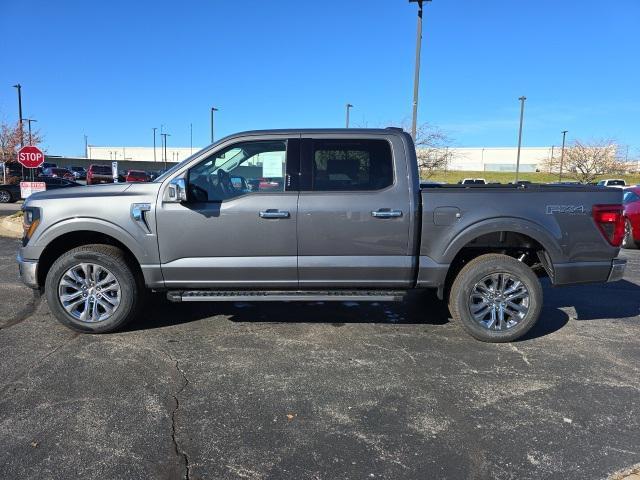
x=351 y=131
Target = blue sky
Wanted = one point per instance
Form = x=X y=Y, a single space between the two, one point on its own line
x=115 y=69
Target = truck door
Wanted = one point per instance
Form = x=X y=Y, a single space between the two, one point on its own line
x=355 y=213
x=237 y=228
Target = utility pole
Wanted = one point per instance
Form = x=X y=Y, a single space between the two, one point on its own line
x=164 y=141
x=154 y=143
x=552 y=159
x=19 y=87
x=564 y=136
x=29 y=121
x=213 y=109
x=416 y=75
x=522 y=100
x=86 y=146
x=348 y=106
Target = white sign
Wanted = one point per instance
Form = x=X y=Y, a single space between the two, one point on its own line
x=114 y=171
x=272 y=166
x=27 y=188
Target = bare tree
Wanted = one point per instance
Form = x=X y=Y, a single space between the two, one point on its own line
x=585 y=161
x=10 y=141
x=432 y=148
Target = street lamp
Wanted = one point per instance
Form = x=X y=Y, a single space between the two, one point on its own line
x=213 y=109
x=416 y=75
x=154 y=143
x=564 y=136
x=19 y=87
x=29 y=121
x=164 y=141
x=522 y=100
x=348 y=106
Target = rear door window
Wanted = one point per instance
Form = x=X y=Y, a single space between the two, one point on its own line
x=351 y=165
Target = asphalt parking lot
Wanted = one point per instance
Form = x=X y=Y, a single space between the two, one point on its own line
x=320 y=391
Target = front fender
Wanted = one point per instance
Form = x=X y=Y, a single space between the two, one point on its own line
x=87 y=224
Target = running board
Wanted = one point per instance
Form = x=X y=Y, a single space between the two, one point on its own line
x=285 y=296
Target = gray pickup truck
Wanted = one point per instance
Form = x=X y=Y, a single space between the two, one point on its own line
x=316 y=215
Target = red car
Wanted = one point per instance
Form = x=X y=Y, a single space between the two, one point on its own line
x=99 y=174
x=137 y=176
x=631 y=202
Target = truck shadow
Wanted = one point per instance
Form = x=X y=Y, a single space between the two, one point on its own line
x=590 y=302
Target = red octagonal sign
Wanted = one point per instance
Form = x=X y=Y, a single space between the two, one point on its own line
x=30 y=157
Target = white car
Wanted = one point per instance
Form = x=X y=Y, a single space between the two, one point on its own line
x=473 y=181
x=612 y=182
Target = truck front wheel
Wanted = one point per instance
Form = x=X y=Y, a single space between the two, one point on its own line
x=92 y=289
x=496 y=298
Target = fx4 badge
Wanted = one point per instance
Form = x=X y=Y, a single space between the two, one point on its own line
x=567 y=209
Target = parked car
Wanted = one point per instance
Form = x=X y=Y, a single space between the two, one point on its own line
x=631 y=202
x=612 y=182
x=79 y=172
x=472 y=181
x=11 y=193
x=348 y=221
x=137 y=176
x=57 y=172
x=99 y=174
x=48 y=165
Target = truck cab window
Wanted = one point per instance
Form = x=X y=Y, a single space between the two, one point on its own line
x=240 y=169
x=344 y=165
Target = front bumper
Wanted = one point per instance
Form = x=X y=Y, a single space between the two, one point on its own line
x=28 y=272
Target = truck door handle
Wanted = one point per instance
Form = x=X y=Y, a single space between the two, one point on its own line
x=386 y=213
x=273 y=213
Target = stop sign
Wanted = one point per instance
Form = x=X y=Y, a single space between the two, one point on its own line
x=30 y=157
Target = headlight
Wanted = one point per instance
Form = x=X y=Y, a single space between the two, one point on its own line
x=31 y=220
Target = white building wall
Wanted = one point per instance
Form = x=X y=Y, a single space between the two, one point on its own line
x=140 y=154
x=462 y=158
x=498 y=158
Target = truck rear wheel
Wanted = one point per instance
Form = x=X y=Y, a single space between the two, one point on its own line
x=496 y=298
x=92 y=289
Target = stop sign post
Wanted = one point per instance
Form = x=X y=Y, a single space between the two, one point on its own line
x=30 y=157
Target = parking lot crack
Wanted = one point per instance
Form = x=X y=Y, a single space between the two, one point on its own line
x=180 y=452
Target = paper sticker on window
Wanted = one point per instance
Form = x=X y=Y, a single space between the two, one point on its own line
x=271 y=166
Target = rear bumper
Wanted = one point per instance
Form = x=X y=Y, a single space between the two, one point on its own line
x=589 y=272
x=28 y=272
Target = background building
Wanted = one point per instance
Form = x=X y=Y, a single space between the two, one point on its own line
x=139 y=154
x=479 y=159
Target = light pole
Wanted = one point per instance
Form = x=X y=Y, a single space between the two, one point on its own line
x=19 y=87
x=191 y=138
x=29 y=121
x=213 y=109
x=564 y=136
x=86 y=146
x=154 y=143
x=164 y=141
x=348 y=106
x=416 y=75
x=522 y=100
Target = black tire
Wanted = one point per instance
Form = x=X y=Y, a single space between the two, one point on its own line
x=628 y=241
x=476 y=271
x=5 y=196
x=114 y=260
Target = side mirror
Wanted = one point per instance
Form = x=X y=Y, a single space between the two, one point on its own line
x=177 y=191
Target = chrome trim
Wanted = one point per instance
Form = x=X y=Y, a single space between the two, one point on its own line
x=618 y=266
x=28 y=272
